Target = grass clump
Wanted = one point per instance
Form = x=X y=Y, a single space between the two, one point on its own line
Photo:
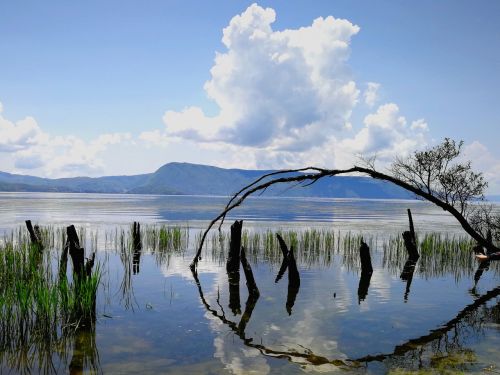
x=38 y=304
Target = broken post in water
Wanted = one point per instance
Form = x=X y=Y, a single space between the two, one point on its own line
x=410 y=240
x=137 y=247
x=35 y=235
x=233 y=267
x=366 y=271
x=77 y=253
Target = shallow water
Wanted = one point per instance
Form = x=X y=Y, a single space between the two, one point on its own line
x=154 y=317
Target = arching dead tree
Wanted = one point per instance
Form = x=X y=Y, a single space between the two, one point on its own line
x=435 y=175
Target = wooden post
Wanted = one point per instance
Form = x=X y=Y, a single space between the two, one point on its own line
x=366 y=261
x=35 y=235
x=136 y=236
x=410 y=240
x=233 y=259
x=77 y=253
x=366 y=271
x=233 y=267
x=137 y=247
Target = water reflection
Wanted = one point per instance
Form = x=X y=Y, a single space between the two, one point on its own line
x=407 y=276
x=359 y=326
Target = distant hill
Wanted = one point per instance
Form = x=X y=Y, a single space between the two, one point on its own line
x=195 y=179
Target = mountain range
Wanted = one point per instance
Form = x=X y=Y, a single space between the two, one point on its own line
x=195 y=179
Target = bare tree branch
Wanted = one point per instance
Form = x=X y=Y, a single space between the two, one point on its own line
x=237 y=201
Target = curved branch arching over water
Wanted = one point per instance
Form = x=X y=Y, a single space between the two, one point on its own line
x=311 y=178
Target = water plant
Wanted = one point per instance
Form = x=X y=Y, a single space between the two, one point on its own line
x=39 y=306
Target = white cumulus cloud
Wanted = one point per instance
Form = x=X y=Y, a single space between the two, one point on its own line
x=387 y=134
x=276 y=90
x=29 y=148
x=286 y=99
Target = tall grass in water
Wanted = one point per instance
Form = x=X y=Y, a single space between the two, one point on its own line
x=312 y=247
x=39 y=307
x=440 y=254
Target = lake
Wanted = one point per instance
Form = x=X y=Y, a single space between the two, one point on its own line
x=154 y=316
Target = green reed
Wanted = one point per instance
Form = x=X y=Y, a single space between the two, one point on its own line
x=37 y=303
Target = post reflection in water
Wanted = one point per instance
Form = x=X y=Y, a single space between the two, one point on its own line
x=85 y=352
x=364 y=285
x=407 y=275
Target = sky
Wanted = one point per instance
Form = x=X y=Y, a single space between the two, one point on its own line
x=122 y=87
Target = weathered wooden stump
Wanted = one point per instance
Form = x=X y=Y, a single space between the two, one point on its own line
x=35 y=235
x=233 y=258
x=410 y=240
x=77 y=254
x=137 y=247
x=233 y=267
x=366 y=260
x=366 y=271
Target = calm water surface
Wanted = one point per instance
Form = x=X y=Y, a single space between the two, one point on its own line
x=154 y=317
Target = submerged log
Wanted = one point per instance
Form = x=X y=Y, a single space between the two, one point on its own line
x=410 y=240
x=35 y=235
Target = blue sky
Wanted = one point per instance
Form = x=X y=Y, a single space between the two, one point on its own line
x=88 y=88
